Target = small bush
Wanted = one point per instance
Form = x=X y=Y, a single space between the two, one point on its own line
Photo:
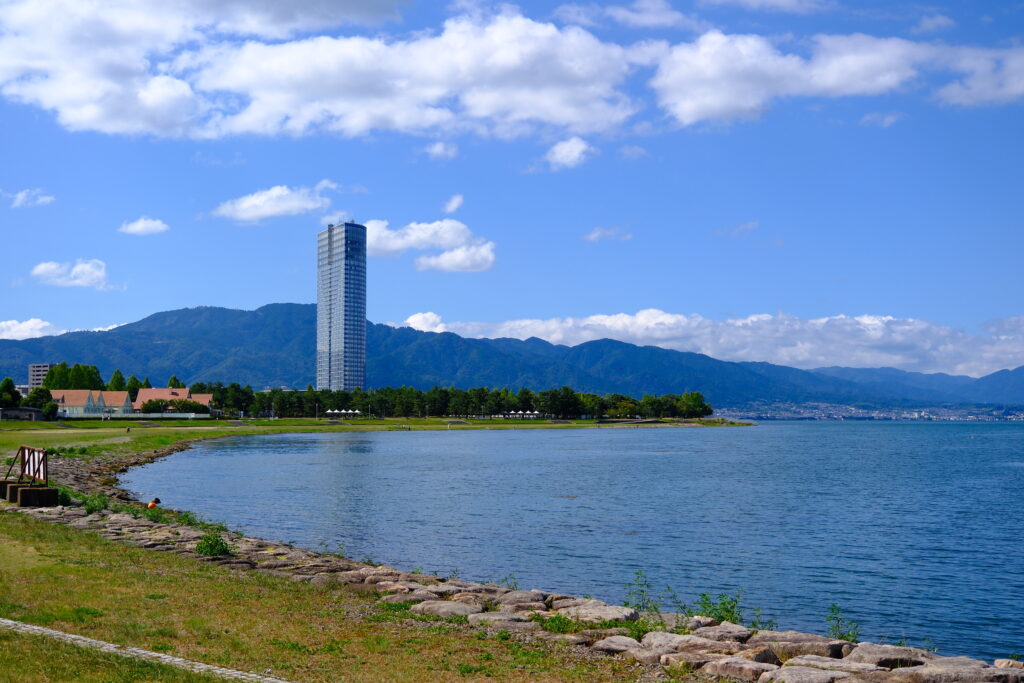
x=839 y=627
x=156 y=515
x=213 y=545
x=644 y=625
x=64 y=497
x=723 y=608
x=557 y=624
x=95 y=503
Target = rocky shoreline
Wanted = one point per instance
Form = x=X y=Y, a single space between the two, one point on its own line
x=687 y=643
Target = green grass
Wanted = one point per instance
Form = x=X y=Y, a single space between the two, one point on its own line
x=37 y=658
x=77 y=582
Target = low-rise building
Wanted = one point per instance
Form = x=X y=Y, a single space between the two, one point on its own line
x=116 y=402
x=78 y=402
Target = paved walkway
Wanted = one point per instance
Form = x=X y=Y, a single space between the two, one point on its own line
x=121 y=650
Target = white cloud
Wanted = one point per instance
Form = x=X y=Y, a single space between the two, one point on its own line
x=453 y=204
x=175 y=70
x=881 y=119
x=27 y=329
x=852 y=341
x=989 y=77
x=144 y=226
x=933 y=23
x=721 y=76
x=569 y=153
x=471 y=258
x=85 y=273
x=638 y=14
x=461 y=250
x=279 y=200
x=651 y=14
x=797 y=6
x=27 y=198
x=206 y=69
x=441 y=150
x=425 y=322
x=602 y=234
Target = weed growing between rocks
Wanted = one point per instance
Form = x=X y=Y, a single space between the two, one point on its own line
x=723 y=608
x=96 y=502
x=157 y=515
x=839 y=627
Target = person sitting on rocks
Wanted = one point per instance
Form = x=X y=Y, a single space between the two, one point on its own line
x=153 y=503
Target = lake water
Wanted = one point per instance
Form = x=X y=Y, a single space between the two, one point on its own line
x=914 y=529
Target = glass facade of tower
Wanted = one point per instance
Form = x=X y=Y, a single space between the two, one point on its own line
x=341 y=307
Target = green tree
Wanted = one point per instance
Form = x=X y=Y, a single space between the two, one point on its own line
x=156 y=405
x=50 y=411
x=58 y=377
x=175 y=383
x=93 y=378
x=133 y=387
x=117 y=382
x=146 y=384
x=692 y=404
x=37 y=398
x=525 y=400
x=9 y=395
x=183 y=405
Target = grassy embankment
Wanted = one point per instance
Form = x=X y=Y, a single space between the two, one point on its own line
x=77 y=582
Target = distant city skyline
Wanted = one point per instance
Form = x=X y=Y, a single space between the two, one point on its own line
x=805 y=182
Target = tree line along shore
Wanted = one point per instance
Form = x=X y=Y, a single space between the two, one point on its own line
x=234 y=400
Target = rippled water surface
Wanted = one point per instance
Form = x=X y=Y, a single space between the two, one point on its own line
x=914 y=529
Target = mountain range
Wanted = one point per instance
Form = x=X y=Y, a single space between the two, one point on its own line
x=274 y=346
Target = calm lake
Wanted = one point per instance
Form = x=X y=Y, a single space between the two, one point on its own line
x=914 y=529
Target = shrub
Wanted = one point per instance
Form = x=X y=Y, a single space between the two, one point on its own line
x=723 y=608
x=63 y=496
x=95 y=503
x=557 y=624
x=839 y=627
x=156 y=515
x=213 y=544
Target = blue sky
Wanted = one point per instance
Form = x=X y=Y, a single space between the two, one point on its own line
x=804 y=182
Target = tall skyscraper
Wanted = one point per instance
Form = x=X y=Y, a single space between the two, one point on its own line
x=341 y=307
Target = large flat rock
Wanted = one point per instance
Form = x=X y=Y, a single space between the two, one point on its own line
x=445 y=608
x=889 y=656
x=830 y=664
x=615 y=644
x=662 y=639
x=801 y=674
x=738 y=668
x=725 y=631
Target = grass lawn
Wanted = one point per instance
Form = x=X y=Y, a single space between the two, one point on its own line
x=36 y=659
x=75 y=581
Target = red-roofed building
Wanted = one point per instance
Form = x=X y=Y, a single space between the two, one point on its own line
x=116 y=402
x=77 y=402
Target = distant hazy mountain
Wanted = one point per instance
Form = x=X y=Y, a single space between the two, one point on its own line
x=274 y=346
